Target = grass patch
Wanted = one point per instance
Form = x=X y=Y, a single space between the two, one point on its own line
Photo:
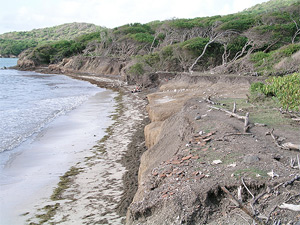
x=231 y=158
x=252 y=171
x=264 y=112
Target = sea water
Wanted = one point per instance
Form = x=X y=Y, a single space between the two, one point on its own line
x=46 y=123
x=29 y=101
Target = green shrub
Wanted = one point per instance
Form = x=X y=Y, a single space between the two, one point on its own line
x=196 y=45
x=256 y=92
x=257 y=87
x=286 y=89
x=142 y=37
x=166 y=52
x=151 y=59
x=137 y=69
x=289 y=49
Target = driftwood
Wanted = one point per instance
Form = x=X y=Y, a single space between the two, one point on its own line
x=244 y=118
x=291 y=146
x=286 y=146
x=246 y=123
x=208 y=100
x=290 y=207
x=269 y=190
x=247 y=188
x=241 y=205
x=290 y=182
x=228 y=112
x=234 y=107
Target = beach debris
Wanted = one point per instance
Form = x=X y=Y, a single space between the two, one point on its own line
x=162 y=175
x=232 y=165
x=195 y=157
x=290 y=207
x=272 y=174
x=155 y=173
x=187 y=157
x=215 y=162
x=175 y=162
x=196 y=173
x=136 y=89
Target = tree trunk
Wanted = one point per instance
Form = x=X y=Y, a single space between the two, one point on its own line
x=200 y=56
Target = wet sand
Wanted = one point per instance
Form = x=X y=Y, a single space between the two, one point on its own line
x=33 y=172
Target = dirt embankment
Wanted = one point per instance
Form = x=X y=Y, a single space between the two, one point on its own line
x=194 y=150
x=92 y=65
x=77 y=64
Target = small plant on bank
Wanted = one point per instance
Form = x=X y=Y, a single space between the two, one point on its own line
x=256 y=91
x=286 y=89
x=137 y=69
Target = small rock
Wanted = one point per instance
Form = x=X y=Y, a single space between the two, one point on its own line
x=232 y=165
x=215 y=162
x=198 y=117
x=251 y=159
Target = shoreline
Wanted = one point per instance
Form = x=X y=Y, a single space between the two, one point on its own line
x=35 y=170
x=120 y=185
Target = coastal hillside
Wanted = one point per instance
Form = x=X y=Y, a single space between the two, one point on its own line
x=255 y=41
x=221 y=134
x=13 y=43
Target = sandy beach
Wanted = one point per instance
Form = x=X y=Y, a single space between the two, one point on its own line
x=34 y=170
x=96 y=194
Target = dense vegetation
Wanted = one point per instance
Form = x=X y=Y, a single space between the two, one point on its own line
x=13 y=43
x=285 y=89
x=262 y=40
x=55 y=51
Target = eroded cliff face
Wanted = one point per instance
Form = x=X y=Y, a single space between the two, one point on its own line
x=178 y=180
x=93 y=65
x=80 y=64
